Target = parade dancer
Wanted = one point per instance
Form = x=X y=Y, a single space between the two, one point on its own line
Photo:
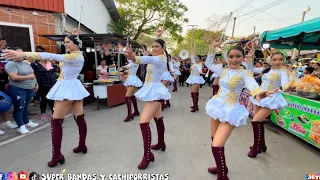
x=195 y=80
x=273 y=78
x=166 y=78
x=224 y=108
x=132 y=83
x=68 y=92
x=176 y=73
x=215 y=84
x=153 y=92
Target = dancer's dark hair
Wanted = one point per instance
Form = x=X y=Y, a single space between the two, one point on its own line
x=273 y=54
x=73 y=37
x=238 y=48
x=163 y=45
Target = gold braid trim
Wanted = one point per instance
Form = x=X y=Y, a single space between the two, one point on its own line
x=212 y=50
x=163 y=57
x=255 y=91
x=286 y=86
x=33 y=56
x=71 y=56
x=138 y=60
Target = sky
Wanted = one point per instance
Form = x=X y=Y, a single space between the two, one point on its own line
x=279 y=16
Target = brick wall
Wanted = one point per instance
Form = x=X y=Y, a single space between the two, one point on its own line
x=41 y=24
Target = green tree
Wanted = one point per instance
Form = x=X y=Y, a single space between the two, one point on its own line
x=139 y=17
x=199 y=39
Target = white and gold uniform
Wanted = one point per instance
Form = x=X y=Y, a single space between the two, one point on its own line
x=68 y=87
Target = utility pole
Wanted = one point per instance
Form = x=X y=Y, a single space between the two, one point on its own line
x=304 y=13
x=192 y=29
x=234 y=26
x=254 y=30
x=224 y=31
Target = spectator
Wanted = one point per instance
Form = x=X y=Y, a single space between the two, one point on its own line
x=3 y=82
x=308 y=70
x=3 y=44
x=22 y=83
x=316 y=66
x=46 y=74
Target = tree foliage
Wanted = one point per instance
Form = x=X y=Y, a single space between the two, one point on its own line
x=139 y=17
x=199 y=39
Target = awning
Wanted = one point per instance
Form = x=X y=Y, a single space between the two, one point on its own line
x=303 y=36
x=89 y=39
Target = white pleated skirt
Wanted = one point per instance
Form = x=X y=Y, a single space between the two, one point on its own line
x=219 y=110
x=276 y=101
x=166 y=76
x=153 y=91
x=177 y=72
x=193 y=79
x=72 y=90
x=133 y=80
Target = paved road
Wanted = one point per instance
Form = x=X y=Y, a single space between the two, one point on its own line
x=116 y=147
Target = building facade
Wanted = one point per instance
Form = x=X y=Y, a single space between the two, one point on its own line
x=22 y=21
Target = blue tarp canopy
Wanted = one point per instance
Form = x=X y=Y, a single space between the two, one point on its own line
x=303 y=36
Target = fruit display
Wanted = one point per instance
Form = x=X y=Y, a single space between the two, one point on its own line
x=115 y=72
x=309 y=83
x=297 y=128
x=315 y=132
x=281 y=121
x=106 y=80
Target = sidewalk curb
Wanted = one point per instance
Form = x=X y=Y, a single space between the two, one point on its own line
x=31 y=132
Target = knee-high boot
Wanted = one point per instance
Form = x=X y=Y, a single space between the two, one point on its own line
x=219 y=157
x=263 y=141
x=214 y=170
x=56 y=135
x=256 y=148
x=147 y=155
x=195 y=98
x=135 y=106
x=168 y=103
x=130 y=115
x=163 y=105
x=175 y=86
x=82 y=126
x=160 y=129
x=215 y=89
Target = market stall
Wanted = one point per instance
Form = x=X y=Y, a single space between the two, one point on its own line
x=109 y=90
x=302 y=115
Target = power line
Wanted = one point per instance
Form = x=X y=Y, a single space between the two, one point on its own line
x=272 y=16
x=240 y=9
x=273 y=4
x=257 y=11
x=277 y=18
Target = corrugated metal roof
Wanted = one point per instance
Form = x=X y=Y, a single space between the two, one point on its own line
x=45 y=5
x=112 y=9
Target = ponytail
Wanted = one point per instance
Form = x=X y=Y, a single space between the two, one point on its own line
x=266 y=70
x=168 y=57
